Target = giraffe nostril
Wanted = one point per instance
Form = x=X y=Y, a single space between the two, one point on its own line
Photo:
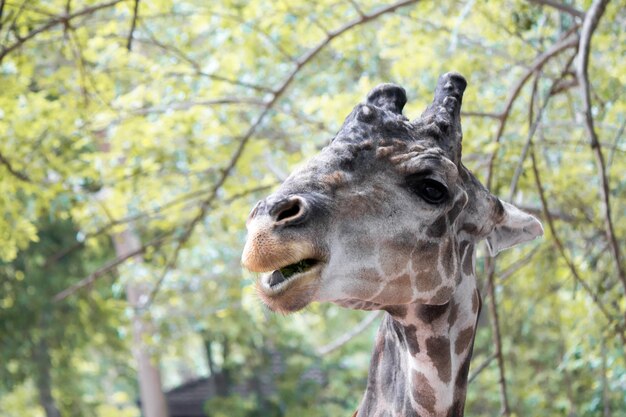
x=289 y=211
x=292 y=211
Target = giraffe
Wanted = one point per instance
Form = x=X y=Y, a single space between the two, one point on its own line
x=386 y=217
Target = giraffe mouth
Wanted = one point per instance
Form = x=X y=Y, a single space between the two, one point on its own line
x=277 y=280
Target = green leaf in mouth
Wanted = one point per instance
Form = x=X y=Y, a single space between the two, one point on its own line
x=296 y=268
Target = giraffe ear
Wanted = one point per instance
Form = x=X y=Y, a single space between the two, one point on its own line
x=515 y=227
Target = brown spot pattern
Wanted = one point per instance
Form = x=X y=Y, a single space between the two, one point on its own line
x=461 y=377
x=368 y=279
x=398 y=311
x=463 y=340
x=454 y=309
x=443 y=295
x=475 y=302
x=395 y=253
x=438 y=349
x=430 y=313
x=423 y=393
x=423 y=256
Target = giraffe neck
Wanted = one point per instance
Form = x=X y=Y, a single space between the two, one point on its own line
x=421 y=359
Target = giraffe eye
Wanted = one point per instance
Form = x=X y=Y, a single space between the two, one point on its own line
x=431 y=191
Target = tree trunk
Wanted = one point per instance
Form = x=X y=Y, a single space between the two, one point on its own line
x=153 y=403
x=43 y=379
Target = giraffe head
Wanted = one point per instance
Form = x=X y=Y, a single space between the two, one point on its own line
x=383 y=215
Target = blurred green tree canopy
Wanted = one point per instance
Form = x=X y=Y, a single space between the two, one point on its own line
x=169 y=119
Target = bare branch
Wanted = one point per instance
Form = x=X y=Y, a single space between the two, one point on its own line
x=196 y=66
x=497 y=340
x=534 y=124
x=605 y=384
x=454 y=37
x=356 y=7
x=569 y=41
x=613 y=146
x=129 y=43
x=517 y=265
x=15 y=16
x=54 y=22
x=350 y=334
x=1 y=12
x=481 y=368
x=280 y=90
x=109 y=266
x=481 y=114
x=17 y=174
x=155 y=211
x=590 y=24
x=560 y=6
x=561 y=249
x=532 y=127
x=555 y=214
x=258 y=30
x=186 y=105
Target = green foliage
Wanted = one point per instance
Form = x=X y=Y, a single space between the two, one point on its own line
x=97 y=137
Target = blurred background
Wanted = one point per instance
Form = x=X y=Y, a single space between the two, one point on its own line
x=135 y=136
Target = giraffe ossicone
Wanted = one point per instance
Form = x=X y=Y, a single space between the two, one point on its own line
x=386 y=217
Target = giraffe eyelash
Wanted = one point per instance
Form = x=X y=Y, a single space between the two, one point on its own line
x=428 y=189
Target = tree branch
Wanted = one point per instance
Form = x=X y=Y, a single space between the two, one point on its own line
x=590 y=24
x=158 y=210
x=350 y=334
x=517 y=265
x=481 y=368
x=186 y=105
x=561 y=249
x=197 y=67
x=538 y=212
x=567 y=42
x=9 y=167
x=560 y=6
x=301 y=62
x=1 y=13
x=52 y=23
x=110 y=265
x=255 y=28
x=129 y=43
x=481 y=114
x=497 y=340
x=613 y=147
x=534 y=124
